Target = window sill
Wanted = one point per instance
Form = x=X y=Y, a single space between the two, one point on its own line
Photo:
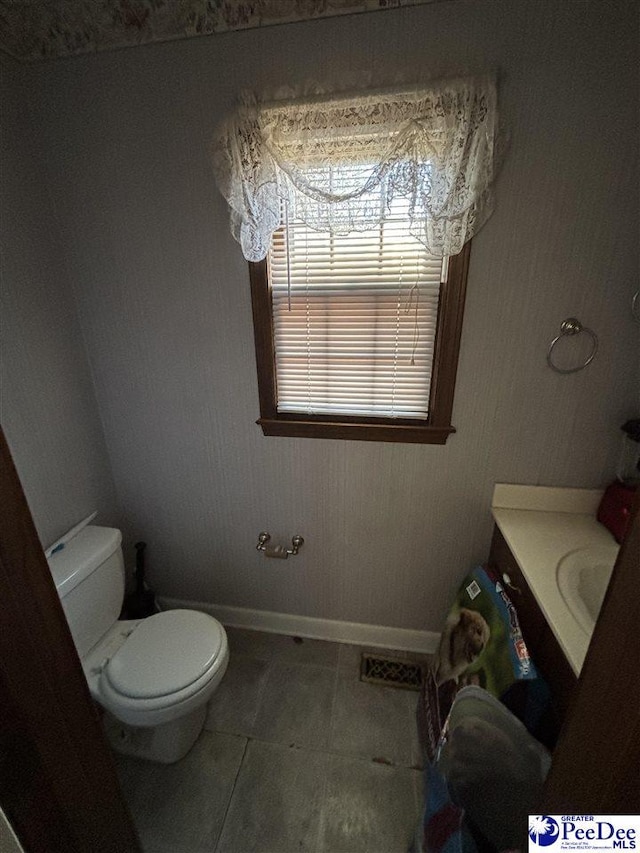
x=356 y=431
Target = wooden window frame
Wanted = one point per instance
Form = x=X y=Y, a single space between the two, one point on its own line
x=435 y=429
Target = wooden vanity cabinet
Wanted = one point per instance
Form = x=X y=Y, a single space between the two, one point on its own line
x=543 y=647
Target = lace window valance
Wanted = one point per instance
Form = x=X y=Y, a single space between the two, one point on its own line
x=338 y=163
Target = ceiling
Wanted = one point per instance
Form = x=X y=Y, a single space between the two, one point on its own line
x=32 y=30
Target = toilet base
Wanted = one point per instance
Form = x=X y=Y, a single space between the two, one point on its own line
x=164 y=744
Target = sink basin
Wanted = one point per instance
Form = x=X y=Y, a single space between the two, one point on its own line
x=583 y=578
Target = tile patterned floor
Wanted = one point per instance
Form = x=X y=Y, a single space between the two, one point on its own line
x=297 y=755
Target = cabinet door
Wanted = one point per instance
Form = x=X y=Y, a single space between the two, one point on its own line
x=503 y=563
x=545 y=650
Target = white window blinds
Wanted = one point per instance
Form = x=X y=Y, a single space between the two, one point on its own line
x=354 y=319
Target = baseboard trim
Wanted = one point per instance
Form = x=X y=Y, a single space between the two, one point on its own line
x=357 y=633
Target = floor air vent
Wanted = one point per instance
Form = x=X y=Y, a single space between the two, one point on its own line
x=392 y=672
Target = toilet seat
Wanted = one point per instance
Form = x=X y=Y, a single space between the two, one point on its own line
x=165 y=654
x=168 y=664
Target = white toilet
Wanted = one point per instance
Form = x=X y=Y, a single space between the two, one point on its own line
x=153 y=676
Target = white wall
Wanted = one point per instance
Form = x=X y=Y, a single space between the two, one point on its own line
x=163 y=296
x=47 y=404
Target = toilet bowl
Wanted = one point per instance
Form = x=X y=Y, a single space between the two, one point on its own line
x=152 y=676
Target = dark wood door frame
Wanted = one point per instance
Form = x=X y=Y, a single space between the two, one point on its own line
x=58 y=785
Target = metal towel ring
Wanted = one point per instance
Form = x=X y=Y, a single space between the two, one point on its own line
x=571 y=326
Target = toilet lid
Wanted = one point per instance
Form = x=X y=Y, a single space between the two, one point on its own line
x=165 y=653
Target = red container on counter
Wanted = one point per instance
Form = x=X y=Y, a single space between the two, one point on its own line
x=615 y=508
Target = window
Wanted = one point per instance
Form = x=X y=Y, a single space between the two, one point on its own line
x=357 y=335
x=356 y=213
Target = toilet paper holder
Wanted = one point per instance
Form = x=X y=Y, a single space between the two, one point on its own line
x=278 y=550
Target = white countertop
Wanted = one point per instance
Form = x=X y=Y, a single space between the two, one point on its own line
x=539 y=539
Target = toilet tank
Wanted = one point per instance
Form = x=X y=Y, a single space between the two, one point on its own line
x=89 y=576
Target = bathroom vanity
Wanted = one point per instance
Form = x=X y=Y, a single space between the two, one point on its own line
x=555 y=561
